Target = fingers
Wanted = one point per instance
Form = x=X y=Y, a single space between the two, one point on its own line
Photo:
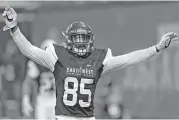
x=171 y=35
x=174 y=39
x=12 y=10
x=9 y=13
x=168 y=39
x=7 y=8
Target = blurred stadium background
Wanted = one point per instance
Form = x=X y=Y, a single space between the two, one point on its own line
x=147 y=90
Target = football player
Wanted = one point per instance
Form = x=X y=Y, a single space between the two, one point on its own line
x=78 y=66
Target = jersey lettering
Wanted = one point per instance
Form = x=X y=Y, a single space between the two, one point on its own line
x=73 y=91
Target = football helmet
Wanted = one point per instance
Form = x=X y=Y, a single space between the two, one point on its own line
x=79 y=39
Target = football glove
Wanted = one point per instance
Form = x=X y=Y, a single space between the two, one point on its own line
x=166 y=41
x=10 y=18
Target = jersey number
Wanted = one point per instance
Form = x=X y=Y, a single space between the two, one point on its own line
x=73 y=91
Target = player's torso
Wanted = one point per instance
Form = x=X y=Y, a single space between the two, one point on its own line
x=76 y=81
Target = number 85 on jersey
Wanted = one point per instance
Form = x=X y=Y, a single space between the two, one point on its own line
x=73 y=91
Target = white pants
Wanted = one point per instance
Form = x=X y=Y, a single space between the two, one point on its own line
x=45 y=107
x=63 y=117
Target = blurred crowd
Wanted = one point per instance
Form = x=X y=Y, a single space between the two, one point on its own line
x=146 y=90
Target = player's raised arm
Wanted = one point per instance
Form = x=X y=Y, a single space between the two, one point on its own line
x=114 y=62
x=43 y=57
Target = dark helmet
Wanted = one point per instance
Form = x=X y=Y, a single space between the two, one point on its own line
x=79 y=38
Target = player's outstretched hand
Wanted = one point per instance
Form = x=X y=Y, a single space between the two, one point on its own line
x=10 y=18
x=167 y=40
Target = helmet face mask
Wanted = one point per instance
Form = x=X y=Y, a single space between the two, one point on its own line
x=79 y=39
